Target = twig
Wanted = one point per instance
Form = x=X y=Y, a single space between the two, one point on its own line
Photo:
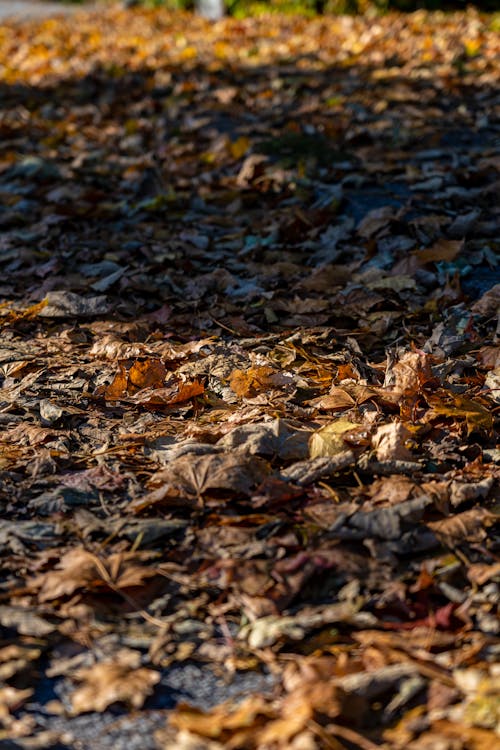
x=350 y=735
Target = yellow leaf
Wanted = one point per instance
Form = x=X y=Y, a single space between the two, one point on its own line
x=328 y=441
x=472 y=47
x=221 y=50
x=189 y=53
x=239 y=147
x=477 y=417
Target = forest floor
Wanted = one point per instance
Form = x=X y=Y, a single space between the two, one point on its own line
x=250 y=382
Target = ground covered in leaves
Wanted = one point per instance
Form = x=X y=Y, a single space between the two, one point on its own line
x=250 y=377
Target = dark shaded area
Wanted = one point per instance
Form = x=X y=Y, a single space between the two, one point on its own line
x=323 y=155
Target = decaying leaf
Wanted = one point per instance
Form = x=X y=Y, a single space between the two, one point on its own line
x=16 y=658
x=410 y=373
x=476 y=416
x=267 y=631
x=441 y=250
x=492 y=382
x=307 y=472
x=224 y=720
x=254 y=380
x=25 y=621
x=11 y=699
x=176 y=391
x=142 y=374
x=196 y=475
x=274 y=439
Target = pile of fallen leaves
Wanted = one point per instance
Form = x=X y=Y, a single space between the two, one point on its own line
x=250 y=377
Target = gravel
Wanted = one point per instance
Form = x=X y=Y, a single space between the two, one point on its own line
x=120 y=729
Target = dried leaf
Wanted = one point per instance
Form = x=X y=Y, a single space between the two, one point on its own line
x=467 y=526
x=389 y=442
x=222 y=720
x=253 y=381
x=275 y=439
x=79 y=570
x=112 y=682
x=329 y=440
x=411 y=373
x=195 y=475
x=442 y=250
x=477 y=417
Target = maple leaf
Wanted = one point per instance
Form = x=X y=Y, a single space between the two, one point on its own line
x=142 y=374
x=196 y=475
x=476 y=416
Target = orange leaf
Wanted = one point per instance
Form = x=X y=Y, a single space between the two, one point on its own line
x=187 y=391
x=252 y=381
x=174 y=392
x=118 y=387
x=28 y=314
x=150 y=373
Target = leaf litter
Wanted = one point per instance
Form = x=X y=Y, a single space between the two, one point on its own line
x=249 y=382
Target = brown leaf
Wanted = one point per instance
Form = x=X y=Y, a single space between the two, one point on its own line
x=467 y=526
x=223 y=720
x=471 y=738
x=16 y=658
x=11 y=699
x=118 y=387
x=275 y=439
x=410 y=373
x=112 y=682
x=389 y=442
x=442 y=250
x=13 y=316
x=149 y=373
x=80 y=570
x=338 y=398
x=196 y=475
x=489 y=303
